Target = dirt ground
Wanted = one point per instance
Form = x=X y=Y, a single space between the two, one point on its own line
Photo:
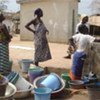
x=25 y=50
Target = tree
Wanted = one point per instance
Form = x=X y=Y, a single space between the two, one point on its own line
x=2 y=5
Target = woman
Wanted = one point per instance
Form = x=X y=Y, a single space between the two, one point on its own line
x=5 y=38
x=84 y=42
x=42 y=52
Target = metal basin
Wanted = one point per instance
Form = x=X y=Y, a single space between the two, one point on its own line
x=38 y=80
x=76 y=84
x=10 y=91
x=24 y=93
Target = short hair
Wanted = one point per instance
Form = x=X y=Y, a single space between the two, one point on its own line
x=85 y=18
x=83 y=29
x=2 y=18
x=37 y=11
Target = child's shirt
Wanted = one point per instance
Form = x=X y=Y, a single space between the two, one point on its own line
x=83 y=41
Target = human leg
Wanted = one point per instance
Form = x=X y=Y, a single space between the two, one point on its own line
x=36 y=63
x=70 y=51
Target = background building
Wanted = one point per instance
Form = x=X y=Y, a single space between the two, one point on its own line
x=60 y=17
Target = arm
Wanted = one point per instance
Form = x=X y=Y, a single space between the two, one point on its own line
x=28 y=26
x=97 y=40
x=5 y=31
x=71 y=42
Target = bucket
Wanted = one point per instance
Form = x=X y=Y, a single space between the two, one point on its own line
x=22 y=84
x=24 y=64
x=66 y=77
x=13 y=77
x=94 y=92
x=35 y=72
x=42 y=93
x=18 y=81
x=52 y=81
x=3 y=85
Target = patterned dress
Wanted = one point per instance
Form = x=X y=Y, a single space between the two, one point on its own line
x=42 y=51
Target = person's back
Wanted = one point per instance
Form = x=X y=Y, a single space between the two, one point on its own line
x=84 y=22
x=82 y=39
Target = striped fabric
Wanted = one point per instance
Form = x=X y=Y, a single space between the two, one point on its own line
x=4 y=59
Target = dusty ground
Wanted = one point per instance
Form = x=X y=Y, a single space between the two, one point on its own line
x=19 y=51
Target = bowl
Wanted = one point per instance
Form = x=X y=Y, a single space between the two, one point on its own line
x=76 y=84
x=23 y=93
x=38 y=80
x=10 y=91
x=3 y=85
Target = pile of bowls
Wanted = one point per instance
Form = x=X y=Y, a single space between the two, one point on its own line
x=23 y=93
x=42 y=79
x=9 y=93
x=24 y=87
x=76 y=84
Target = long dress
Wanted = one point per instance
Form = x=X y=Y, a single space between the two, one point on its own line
x=42 y=51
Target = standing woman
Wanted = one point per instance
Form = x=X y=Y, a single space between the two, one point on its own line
x=42 y=52
x=5 y=38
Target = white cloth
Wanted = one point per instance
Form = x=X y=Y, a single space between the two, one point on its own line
x=83 y=41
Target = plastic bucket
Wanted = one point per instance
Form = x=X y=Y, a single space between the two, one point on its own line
x=52 y=81
x=22 y=84
x=13 y=77
x=42 y=93
x=3 y=85
x=33 y=73
x=66 y=77
x=24 y=64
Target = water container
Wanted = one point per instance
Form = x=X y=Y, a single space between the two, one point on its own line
x=24 y=64
x=35 y=72
x=18 y=81
x=42 y=93
x=52 y=81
